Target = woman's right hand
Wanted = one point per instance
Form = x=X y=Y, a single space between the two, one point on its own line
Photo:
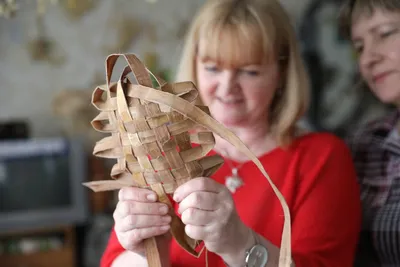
x=139 y=216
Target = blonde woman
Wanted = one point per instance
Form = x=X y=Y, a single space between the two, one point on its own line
x=244 y=59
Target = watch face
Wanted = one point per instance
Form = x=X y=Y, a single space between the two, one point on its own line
x=257 y=257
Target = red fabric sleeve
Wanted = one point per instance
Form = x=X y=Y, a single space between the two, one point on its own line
x=327 y=209
x=112 y=251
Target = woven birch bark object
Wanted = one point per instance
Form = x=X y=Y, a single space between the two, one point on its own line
x=151 y=135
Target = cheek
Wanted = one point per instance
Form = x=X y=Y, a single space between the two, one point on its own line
x=258 y=100
x=260 y=93
x=363 y=72
x=391 y=50
x=394 y=54
x=206 y=86
x=261 y=98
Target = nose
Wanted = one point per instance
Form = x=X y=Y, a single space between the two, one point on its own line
x=370 y=56
x=227 y=82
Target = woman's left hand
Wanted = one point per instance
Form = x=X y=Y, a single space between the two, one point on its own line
x=209 y=213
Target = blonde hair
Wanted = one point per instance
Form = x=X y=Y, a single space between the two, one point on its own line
x=257 y=30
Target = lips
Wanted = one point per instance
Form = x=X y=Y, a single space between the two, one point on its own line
x=380 y=77
x=230 y=101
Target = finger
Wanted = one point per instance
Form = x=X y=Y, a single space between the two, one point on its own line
x=125 y=208
x=199 y=200
x=131 y=222
x=144 y=233
x=132 y=238
x=197 y=232
x=137 y=194
x=196 y=184
x=197 y=217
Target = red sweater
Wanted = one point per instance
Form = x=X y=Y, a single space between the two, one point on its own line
x=317 y=178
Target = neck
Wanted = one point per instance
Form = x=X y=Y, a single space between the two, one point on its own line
x=256 y=137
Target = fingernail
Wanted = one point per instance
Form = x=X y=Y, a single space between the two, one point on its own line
x=151 y=197
x=164 y=209
x=176 y=197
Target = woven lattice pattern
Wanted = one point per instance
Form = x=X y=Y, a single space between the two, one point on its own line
x=152 y=142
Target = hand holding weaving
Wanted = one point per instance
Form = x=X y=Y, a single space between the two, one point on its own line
x=209 y=214
x=138 y=216
x=150 y=138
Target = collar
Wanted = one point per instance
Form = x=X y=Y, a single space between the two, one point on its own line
x=386 y=129
x=387 y=124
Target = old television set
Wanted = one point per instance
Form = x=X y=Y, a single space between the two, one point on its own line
x=41 y=183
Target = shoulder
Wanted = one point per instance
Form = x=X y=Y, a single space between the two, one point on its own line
x=319 y=143
x=362 y=133
x=321 y=152
x=318 y=138
x=324 y=163
x=361 y=137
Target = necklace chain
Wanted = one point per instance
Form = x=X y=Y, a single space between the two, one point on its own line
x=234 y=181
x=226 y=156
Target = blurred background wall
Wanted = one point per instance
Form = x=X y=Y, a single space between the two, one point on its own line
x=77 y=43
x=65 y=48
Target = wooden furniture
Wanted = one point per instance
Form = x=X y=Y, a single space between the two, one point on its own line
x=63 y=256
x=99 y=202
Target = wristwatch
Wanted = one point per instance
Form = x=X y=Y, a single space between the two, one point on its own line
x=256 y=256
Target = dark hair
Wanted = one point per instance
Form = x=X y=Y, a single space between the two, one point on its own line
x=354 y=8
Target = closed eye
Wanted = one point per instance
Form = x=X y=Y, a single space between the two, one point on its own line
x=387 y=33
x=211 y=68
x=250 y=72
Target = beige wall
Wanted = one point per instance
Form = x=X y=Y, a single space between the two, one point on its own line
x=27 y=87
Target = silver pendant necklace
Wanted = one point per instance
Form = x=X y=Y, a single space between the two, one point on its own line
x=233 y=181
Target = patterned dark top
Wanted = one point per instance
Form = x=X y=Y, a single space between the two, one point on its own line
x=376 y=152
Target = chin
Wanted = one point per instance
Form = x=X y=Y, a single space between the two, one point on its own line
x=230 y=121
x=389 y=98
x=387 y=94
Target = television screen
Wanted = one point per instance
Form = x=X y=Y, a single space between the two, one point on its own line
x=33 y=183
x=41 y=183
